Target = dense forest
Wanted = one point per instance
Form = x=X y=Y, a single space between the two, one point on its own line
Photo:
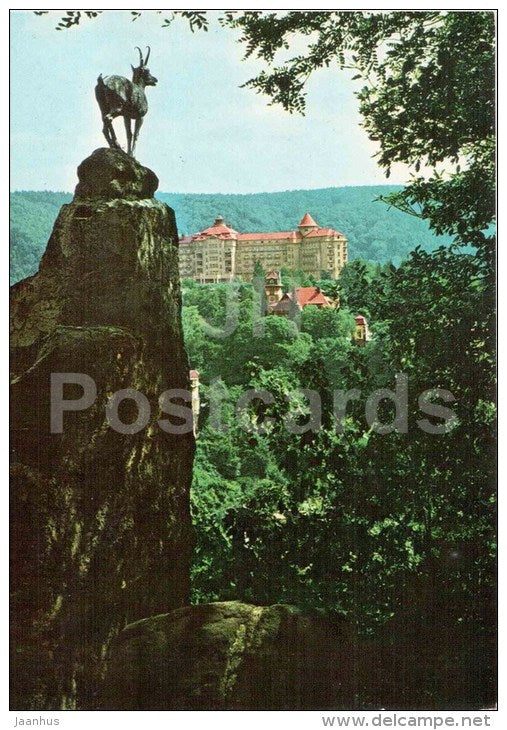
x=375 y=231
x=393 y=530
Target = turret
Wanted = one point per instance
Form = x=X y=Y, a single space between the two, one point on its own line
x=307 y=224
x=196 y=403
x=361 y=332
x=273 y=287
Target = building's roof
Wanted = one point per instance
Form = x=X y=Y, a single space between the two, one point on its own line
x=323 y=232
x=273 y=275
x=360 y=319
x=307 y=221
x=193 y=374
x=282 y=306
x=305 y=296
x=217 y=230
x=269 y=235
x=220 y=231
x=310 y=295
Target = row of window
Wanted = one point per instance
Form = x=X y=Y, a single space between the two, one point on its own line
x=273 y=261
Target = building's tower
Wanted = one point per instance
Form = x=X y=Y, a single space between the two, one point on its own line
x=309 y=250
x=196 y=403
x=273 y=287
x=307 y=224
x=361 y=332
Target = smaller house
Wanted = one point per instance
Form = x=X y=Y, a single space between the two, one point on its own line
x=361 y=333
x=304 y=296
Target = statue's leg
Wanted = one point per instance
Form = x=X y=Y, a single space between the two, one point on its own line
x=108 y=119
x=106 y=132
x=137 y=127
x=128 y=130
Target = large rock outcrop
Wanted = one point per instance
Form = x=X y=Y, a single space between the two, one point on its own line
x=100 y=519
x=233 y=656
x=236 y=656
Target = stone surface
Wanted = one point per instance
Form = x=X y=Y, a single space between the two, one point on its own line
x=111 y=173
x=100 y=520
x=236 y=656
x=232 y=656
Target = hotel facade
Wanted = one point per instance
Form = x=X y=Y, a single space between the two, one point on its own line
x=219 y=253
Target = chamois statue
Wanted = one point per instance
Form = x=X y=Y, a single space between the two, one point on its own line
x=119 y=97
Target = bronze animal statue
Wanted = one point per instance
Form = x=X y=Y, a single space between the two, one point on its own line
x=119 y=97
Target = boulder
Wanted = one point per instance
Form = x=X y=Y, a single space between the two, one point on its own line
x=232 y=656
x=112 y=174
x=101 y=531
x=236 y=656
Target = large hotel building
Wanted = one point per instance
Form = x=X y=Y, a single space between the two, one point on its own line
x=219 y=253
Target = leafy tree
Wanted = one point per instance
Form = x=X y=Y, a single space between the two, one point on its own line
x=428 y=97
x=259 y=272
x=327 y=323
x=355 y=280
x=197 y=19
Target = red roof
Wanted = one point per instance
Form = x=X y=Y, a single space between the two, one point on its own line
x=268 y=236
x=220 y=231
x=310 y=295
x=193 y=374
x=323 y=232
x=305 y=296
x=307 y=221
x=360 y=319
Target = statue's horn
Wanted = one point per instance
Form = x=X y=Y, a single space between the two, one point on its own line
x=147 y=57
x=141 y=62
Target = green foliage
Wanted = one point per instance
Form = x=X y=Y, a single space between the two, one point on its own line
x=258 y=271
x=32 y=216
x=428 y=98
x=327 y=323
x=351 y=522
x=196 y=19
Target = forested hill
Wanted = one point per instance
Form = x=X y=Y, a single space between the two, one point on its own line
x=375 y=232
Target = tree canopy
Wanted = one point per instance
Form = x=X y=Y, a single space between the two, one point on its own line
x=428 y=97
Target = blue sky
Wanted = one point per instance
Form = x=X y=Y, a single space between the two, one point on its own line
x=202 y=132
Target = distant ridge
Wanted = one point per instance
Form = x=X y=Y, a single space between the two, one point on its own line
x=375 y=231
